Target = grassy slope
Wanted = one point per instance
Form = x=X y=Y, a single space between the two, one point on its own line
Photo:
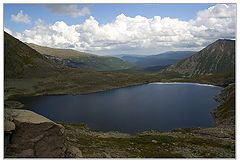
x=101 y=63
x=72 y=82
x=84 y=60
x=20 y=61
x=61 y=53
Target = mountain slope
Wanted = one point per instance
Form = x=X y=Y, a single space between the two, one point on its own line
x=218 y=57
x=73 y=58
x=27 y=72
x=22 y=61
x=159 y=60
x=62 y=53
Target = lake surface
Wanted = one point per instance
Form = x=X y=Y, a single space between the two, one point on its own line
x=155 y=106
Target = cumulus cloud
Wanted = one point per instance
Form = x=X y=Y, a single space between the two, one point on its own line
x=219 y=20
x=20 y=17
x=58 y=34
x=72 y=10
x=137 y=34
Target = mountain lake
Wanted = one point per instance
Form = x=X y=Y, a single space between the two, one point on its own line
x=154 y=106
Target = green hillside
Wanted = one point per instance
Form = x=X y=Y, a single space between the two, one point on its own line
x=73 y=58
x=27 y=72
x=61 y=53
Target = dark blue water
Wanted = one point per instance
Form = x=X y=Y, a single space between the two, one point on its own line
x=133 y=109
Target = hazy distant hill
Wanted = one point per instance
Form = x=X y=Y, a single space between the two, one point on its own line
x=157 y=61
x=22 y=61
x=218 y=57
x=73 y=58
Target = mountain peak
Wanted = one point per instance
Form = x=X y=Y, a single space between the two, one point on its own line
x=224 y=39
x=218 y=57
x=221 y=41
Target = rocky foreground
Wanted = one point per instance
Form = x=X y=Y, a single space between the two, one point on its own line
x=27 y=134
x=181 y=143
x=31 y=135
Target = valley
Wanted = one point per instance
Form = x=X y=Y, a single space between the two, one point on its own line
x=34 y=71
x=157 y=62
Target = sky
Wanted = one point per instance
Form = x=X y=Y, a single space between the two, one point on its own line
x=113 y=29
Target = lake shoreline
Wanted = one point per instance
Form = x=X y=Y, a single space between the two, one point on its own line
x=191 y=83
x=14 y=97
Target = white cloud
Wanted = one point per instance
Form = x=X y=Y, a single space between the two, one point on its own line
x=20 y=17
x=8 y=31
x=220 y=20
x=137 y=34
x=58 y=34
x=72 y=10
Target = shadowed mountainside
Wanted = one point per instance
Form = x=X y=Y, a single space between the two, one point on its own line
x=21 y=61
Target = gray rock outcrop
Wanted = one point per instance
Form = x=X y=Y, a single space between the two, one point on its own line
x=27 y=134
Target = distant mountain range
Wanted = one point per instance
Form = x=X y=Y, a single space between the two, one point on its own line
x=77 y=59
x=157 y=62
x=218 y=57
x=26 y=60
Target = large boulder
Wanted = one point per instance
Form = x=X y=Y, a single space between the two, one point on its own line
x=28 y=134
